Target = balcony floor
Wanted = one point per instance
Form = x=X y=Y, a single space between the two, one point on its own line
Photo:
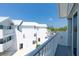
x=63 y=51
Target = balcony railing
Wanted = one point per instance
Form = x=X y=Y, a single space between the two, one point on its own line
x=46 y=49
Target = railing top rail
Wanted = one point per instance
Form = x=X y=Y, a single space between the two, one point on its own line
x=34 y=52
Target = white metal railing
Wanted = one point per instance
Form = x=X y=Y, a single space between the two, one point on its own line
x=46 y=49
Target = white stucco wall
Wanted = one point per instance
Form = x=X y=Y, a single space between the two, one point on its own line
x=42 y=33
x=18 y=38
x=29 y=37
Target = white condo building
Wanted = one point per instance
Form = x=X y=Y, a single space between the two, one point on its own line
x=7 y=33
x=28 y=34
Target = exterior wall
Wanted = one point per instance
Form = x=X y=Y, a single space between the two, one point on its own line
x=18 y=38
x=1 y=48
x=42 y=33
x=14 y=43
x=28 y=38
x=63 y=38
x=1 y=33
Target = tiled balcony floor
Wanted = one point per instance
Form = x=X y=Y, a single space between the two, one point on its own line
x=63 y=51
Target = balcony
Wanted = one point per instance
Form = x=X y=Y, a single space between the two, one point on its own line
x=5 y=44
x=56 y=45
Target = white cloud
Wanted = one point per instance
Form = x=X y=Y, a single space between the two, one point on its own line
x=50 y=19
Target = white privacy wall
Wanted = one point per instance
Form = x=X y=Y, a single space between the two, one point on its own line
x=63 y=38
x=57 y=40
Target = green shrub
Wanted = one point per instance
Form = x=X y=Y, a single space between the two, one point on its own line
x=37 y=45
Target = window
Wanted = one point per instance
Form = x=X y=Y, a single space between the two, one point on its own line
x=8 y=27
x=21 y=46
x=34 y=41
x=35 y=35
x=4 y=40
x=1 y=26
x=1 y=41
x=38 y=39
x=23 y=36
x=46 y=37
x=8 y=38
x=34 y=27
x=5 y=27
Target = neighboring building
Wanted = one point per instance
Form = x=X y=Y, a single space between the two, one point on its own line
x=29 y=34
x=71 y=12
x=7 y=33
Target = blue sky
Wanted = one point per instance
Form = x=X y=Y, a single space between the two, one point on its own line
x=41 y=13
